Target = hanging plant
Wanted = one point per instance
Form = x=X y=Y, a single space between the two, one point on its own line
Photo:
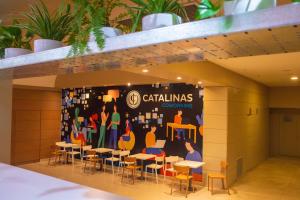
x=89 y=17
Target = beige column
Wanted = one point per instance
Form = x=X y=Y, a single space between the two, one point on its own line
x=5 y=120
x=215 y=129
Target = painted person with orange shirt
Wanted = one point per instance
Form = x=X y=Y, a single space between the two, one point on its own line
x=178 y=120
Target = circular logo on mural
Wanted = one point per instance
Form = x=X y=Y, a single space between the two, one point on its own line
x=133 y=99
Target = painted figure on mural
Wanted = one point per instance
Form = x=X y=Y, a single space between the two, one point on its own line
x=92 y=128
x=193 y=155
x=115 y=122
x=104 y=118
x=126 y=136
x=150 y=141
x=178 y=120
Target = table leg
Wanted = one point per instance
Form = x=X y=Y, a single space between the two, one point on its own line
x=190 y=182
x=195 y=135
x=172 y=134
x=189 y=133
x=142 y=177
x=167 y=131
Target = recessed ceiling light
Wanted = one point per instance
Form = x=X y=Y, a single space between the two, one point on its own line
x=129 y=84
x=145 y=70
x=200 y=82
x=294 y=78
x=178 y=78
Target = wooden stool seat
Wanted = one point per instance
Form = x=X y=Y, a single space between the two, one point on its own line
x=222 y=176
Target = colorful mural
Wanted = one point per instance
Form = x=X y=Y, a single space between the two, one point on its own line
x=158 y=119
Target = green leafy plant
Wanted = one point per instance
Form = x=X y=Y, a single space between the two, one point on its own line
x=89 y=17
x=54 y=26
x=11 y=37
x=207 y=9
x=147 y=7
x=296 y=1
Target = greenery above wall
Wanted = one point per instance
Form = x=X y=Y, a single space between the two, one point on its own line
x=11 y=37
x=207 y=9
x=147 y=7
x=40 y=22
x=89 y=18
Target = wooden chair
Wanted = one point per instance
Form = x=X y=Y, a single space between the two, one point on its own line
x=183 y=175
x=55 y=153
x=131 y=168
x=169 y=165
x=159 y=163
x=115 y=158
x=91 y=158
x=222 y=176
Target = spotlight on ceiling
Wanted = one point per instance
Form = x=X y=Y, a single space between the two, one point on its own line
x=178 y=78
x=145 y=70
x=294 y=78
x=129 y=84
x=199 y=82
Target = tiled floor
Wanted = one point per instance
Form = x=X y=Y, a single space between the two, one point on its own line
x=275 y=179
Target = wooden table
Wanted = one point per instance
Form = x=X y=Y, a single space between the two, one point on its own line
x=191 y=165
x=182 y=126
x=142 y=157
x=65 y=145
x=103 y=150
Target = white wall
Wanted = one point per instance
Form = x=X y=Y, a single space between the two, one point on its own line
x=5 y=120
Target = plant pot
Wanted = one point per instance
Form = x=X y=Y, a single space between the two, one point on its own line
x=46 y=44
x=108 y=32
x=241 y=6
x=160 y=20
x=13 y=52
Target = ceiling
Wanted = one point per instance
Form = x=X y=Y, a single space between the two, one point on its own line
x=270 y=70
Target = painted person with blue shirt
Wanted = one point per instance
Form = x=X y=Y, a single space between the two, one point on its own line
x=193 y=155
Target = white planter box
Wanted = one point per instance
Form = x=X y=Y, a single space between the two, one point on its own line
x=13 y=52
x=159 y=20
x=108 y=32
x=46 y=44
x=241 y=6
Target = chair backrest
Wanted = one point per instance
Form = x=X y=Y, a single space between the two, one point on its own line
x=54 y=148
x=171 y=159
x=159 y=159
x=130 y=159
x=115 y=152
x=184 y=170
x=88 y=147
x=59 y=143
x=224 y=167
x=124 y=153
x=90 y=153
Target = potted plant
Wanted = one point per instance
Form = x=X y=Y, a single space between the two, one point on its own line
x=295 y=1
x=232 y=7
x=51 y=28
x=158 y=13
x=93 y=23
x=12 y=42
x=207 y=9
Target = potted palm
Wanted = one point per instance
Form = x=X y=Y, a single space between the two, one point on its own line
x=13 y=43
x=207 y=9
x=51 y=28
x=158 y=13
x=232 y=7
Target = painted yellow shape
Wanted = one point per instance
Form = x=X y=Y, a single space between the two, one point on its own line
x=128 y=145
x=114 y=94
x=107 y=98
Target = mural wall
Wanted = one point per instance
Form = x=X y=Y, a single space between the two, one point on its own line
x=158 y=119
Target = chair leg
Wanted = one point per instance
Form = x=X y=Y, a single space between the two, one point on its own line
x=133 y=176
x=172 y=188
x=180 y=185
x=212 y=185
x=186 y=189
x=122 y=175
x=49 y=160
x=208 y=182
x=112 y=166
x=146 y=173
x=223 y=184
x=156 y=176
